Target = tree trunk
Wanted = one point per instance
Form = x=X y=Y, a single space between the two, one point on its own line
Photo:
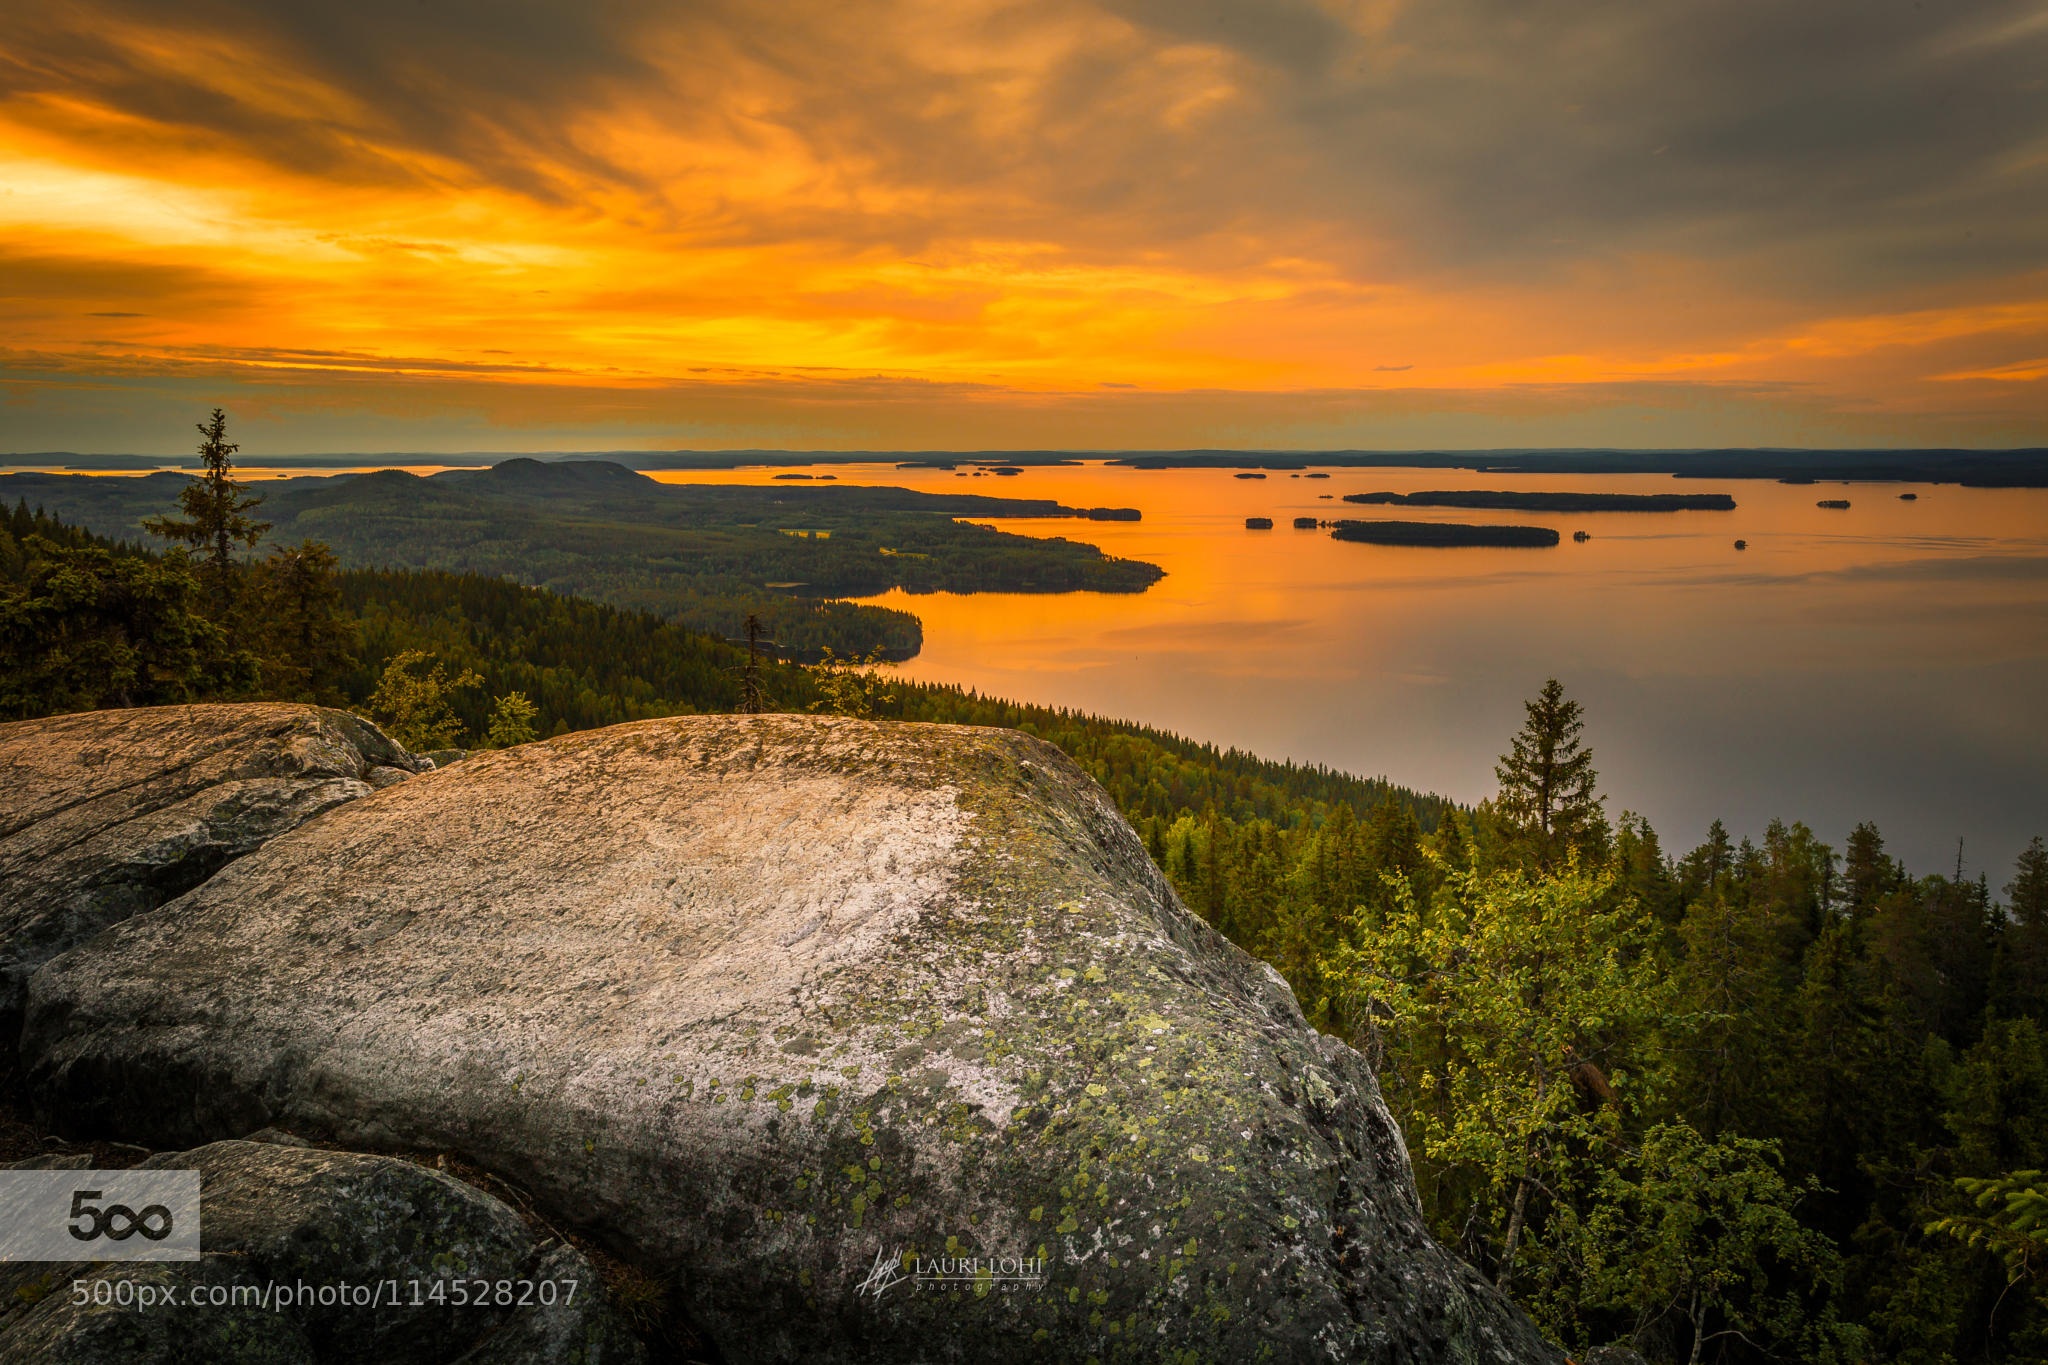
x=1514 y=1240
x=1517 y=1214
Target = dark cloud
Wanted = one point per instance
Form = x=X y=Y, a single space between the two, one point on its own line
x=1290 y=35
x=1832 y=146
x=1856 y=136
x=483 y=83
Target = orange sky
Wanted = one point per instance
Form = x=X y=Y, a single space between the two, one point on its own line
x=975 y=225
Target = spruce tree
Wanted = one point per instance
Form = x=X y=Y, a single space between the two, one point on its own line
x=1547 y=780
x=308 y=638
x=2025 y=931
x=216 y=519
x=2027 y=892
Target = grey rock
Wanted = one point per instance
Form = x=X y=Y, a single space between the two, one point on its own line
x=55 y=1161
x=381 y=776
x=109 y=813
x=774 y=1003
x=444 y=758
x=1614 y=1355
x=570 y=1329
x=333 y=1226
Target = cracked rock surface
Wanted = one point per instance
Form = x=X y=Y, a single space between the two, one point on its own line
x=773 y=1003
x=108 y=813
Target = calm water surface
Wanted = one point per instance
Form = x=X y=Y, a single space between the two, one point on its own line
x=1885 y=663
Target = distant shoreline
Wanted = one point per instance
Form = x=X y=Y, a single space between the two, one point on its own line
x=2025 y=467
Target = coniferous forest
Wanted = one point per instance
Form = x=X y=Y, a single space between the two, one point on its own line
x=1762 y=1098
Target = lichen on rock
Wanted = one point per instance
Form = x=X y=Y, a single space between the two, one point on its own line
x=773 y=1004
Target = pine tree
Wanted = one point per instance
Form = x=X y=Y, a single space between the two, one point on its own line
x=216 y=518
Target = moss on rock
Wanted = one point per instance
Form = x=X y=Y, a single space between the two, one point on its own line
x=771 y=1002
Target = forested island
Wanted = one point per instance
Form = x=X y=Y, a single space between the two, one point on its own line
x=700 y=555
x=1554 y=502
x=1441 y=533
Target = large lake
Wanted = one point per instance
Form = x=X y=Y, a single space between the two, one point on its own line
x=1886 y=663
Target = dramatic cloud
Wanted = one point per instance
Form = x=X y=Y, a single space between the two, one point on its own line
x=1144 y=222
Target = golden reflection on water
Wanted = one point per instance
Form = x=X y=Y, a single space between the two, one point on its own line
x=1885 y=662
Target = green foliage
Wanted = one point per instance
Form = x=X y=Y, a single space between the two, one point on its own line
x=84 y=628
x=305 y=635
x=511 y=721
x=1705 y=1237
x=1501 y=1015
x=2012 y=1223
x=91 y=622
x=581 y=663
x=851 y=687
x=1792 y=1059
x=413 y=701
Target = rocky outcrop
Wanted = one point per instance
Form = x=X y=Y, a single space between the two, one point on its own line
x=396 y=1252
x=108 y=813
x=791 y=1009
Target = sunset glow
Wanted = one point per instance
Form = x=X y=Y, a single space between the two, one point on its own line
x=987 y=225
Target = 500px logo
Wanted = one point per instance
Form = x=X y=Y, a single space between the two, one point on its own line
x=117 y=1221
x=141 y=1215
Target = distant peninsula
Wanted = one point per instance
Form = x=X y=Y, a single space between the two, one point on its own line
x=1442 y=533
x=702 y=556
x=1556 y=502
